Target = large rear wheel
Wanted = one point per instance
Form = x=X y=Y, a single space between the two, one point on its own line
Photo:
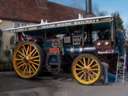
x=27 y=60
x=86 y=69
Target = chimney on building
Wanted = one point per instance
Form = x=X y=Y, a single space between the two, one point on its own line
x=89 y=11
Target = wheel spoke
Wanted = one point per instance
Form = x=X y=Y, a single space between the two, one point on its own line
x=81 y=62
x=23 y=51
x=18 y=55
x=36 y=60
x=34 y=63
x=79 y=69
x=81 y=76
x=19 y=59
x=32 y=69
x=85 y=75
x=27 y=51
x=91 y=76
x=94 y=73
x=95 y=65
x=80 y=66
x=32 y=51
x=84 y=62
x=91 y=62
x=80 y=72
x=20 y=62
x=94 y=69
x=22 y=54
x=34 y=57
x=30 y=48
x=29 y=70
x=21 y=65
x=88 y=60
x=24 y=71
x=24 y=48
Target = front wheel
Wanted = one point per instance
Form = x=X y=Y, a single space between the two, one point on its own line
x=86 y=69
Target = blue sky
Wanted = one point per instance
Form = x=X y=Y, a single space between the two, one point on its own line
x=103 y=5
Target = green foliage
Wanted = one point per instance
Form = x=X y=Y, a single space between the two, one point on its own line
x=118 y=21
x=102 y=13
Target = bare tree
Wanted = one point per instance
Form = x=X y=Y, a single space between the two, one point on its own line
x=78 y=4
x=81 y=4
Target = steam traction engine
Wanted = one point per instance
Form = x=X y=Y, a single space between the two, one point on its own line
x=79 y=44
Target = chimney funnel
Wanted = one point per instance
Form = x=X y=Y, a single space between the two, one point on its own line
x=89 y=12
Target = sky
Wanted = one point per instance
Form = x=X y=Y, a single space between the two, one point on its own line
x=109 y=6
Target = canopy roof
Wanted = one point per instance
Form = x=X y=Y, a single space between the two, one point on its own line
x=67 y=23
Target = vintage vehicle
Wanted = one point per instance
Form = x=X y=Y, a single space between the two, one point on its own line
x=79 y=44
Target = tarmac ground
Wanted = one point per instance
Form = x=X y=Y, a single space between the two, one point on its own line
x=11 y=85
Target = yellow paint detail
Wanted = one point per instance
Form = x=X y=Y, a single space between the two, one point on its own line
x=25 y=64
x=89 y=73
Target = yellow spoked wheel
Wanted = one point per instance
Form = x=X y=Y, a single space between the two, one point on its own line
x=86 y=69
x=27 y=60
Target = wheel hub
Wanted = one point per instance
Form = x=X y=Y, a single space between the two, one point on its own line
x=27 y=58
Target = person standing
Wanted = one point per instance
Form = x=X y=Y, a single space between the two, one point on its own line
x=120 y=40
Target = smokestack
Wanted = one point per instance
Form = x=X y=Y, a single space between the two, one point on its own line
x=89 y=12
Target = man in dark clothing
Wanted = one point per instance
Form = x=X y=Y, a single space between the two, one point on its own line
x=120 y=39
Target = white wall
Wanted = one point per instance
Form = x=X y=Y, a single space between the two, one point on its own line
x=5 y=24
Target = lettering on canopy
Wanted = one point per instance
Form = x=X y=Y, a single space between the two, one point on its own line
x=63 y=24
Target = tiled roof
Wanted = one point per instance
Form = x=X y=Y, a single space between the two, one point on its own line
x=31 y=11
